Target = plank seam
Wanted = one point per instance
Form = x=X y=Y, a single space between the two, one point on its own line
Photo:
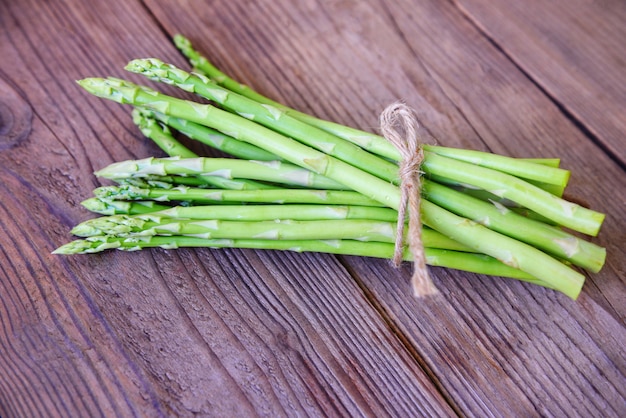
x=405 y=341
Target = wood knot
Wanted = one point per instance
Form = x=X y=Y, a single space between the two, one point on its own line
x=16 y=116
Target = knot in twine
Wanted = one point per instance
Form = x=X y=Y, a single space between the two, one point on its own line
x=399 y=126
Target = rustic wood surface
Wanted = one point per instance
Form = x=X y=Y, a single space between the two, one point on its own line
x=254 y=333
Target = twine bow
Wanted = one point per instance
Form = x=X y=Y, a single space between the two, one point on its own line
x=399 y=115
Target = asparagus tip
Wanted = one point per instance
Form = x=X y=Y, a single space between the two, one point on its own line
x=85 y=230
x=82 y=246
x=94 y=204
x=181 y=41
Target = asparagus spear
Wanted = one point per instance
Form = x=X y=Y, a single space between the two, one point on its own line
x=476 y=263
x=504 y=185
x=272 y=171
x=204 y=196
x=298 y=212
x=203 y=182
x=211 y=137
x=257 y=228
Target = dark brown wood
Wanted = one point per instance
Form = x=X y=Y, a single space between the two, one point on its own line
x=253 y=333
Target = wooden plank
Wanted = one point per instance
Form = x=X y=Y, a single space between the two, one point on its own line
x=157 y=333
x=267 y=333
x=468 y=94
x=502 y=348
x=574 y=50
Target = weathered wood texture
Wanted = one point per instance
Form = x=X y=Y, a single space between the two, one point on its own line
x=253 y=333
x=574 y=51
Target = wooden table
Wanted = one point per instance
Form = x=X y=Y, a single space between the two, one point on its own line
x=246 y=333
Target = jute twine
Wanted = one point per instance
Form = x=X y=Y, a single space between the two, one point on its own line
x=399 y=126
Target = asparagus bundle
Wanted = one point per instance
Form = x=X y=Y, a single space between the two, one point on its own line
x=290 y=181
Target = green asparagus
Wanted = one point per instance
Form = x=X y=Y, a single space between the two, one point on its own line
x=204 y=196
x=304 y=184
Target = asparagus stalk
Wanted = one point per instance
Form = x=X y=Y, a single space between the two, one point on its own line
x=215 y=182
x=565 y=213
x=212 y=182
x=476 y=263
x=297 y=212
x=477 y=192
x=491 y=198
x=272 y=171
x=204 y=196
x=212 y=138
x=516 y=167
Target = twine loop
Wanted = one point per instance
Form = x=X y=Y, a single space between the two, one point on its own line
x=399 y=126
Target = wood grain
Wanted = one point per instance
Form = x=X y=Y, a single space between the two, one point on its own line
x=573 y=50
x=253 y=333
